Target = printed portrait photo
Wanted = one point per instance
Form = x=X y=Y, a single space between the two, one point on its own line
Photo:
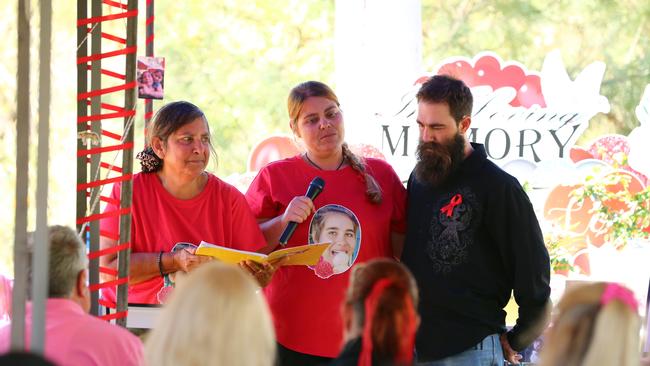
x=170 y=279
x=151 y=77
x=530 y=355
x=339 y=226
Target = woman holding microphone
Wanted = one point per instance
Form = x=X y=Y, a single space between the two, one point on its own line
x=306 y=307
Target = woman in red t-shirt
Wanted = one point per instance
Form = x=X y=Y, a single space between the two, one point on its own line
x=176 y=201
x=369 y=200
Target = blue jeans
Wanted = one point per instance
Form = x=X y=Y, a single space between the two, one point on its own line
x=486 y=353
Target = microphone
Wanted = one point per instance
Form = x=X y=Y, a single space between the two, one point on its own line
x=315 y=188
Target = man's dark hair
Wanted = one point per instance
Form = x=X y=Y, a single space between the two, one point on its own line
x=446 y=89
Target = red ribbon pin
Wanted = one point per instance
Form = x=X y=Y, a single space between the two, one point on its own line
x=449 y=208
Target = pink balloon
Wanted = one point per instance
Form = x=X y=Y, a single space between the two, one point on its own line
x=367 y=151
x=271 y=149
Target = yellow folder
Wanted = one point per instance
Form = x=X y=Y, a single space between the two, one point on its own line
x=307 y=255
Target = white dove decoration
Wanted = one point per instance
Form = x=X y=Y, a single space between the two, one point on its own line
x=581 y=94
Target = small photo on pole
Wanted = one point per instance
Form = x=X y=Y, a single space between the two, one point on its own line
x=151 y=77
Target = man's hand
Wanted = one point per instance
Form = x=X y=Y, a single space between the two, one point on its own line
x=508 y=353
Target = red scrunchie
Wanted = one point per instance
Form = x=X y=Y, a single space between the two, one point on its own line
x=405 y=353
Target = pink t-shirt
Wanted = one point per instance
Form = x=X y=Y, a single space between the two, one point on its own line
x=73 y=337
x=218 y=215
x=306 y=302
x=6 y=286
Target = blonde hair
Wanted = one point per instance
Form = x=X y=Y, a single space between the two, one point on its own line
x=216 y=316
x=297 y=97
x=586 y=332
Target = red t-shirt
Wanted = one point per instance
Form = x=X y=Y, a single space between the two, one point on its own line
x=306 y=302
x=219 y=215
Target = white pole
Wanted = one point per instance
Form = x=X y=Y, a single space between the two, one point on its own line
x=41 y=254
x=377 y=58
x=22 y=179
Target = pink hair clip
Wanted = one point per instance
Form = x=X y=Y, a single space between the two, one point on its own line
x=614 y=291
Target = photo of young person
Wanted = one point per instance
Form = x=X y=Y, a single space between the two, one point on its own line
x=150 y=77
x=339 y=226
x=158 y=78
x=170 y=279
x=146 y=88
x=530 y=355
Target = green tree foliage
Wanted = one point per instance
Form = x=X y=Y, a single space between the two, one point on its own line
x=615 y=32
x=237 y=60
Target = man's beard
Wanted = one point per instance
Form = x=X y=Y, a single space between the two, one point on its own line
x=436 y=162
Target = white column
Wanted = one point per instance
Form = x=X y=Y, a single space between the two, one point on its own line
x=377 y=57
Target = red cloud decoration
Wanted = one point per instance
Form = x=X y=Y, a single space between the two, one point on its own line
x=488 y=70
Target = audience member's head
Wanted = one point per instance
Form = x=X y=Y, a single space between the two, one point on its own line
x=72 y=337
x=68 y=263
x=216 y=316
x=594 y=324
x=17 y=358
x=380 y=307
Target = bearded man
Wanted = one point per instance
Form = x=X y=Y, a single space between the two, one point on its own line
x=472 y=239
